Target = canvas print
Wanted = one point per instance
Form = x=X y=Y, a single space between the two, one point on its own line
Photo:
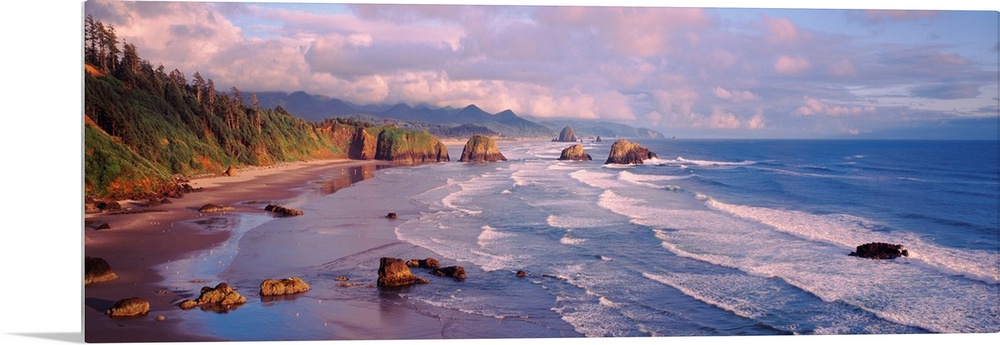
x=282 y=171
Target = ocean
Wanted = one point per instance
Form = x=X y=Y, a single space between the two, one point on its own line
x=713 y=238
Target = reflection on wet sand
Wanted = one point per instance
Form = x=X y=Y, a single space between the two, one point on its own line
x=349 y=176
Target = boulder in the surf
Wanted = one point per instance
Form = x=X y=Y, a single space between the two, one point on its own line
x=395 y=272
x=457 y=272
x=880 y=250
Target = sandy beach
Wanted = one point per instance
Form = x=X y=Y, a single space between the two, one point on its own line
x=137 y=243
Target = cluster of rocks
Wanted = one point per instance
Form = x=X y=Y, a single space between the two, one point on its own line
x=221 y=297
x=880 y=250
x=283 y=211
x=214 y=208
x=286 y=286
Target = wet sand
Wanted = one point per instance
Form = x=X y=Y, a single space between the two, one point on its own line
x=137 y=244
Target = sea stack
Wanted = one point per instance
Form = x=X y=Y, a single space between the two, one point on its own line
x=481 y=148
x=574 y=153
x=627 y=152
x=567 y=135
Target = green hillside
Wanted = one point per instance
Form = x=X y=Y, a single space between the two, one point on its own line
x=143 y=125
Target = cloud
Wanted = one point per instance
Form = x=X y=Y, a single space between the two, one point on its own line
x=783 y=30
x=735 y=95
x=815 y=107
x=895 y=15
x=788 y=65
x=952 y=90
x=842 y=67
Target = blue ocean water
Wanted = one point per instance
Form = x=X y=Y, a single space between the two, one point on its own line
x=719 y=237
x=713 y=238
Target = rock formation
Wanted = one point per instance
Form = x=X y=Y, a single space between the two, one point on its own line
x=231 y=171
x=574 y=153
x=214 y=208
x=363 y=145
x=879 y=250
x=283 y=211
x=287 y=286
x=567 y=135
x=627 y=152
x=481 y=148
x=425 y=263
x=132 y=306
x=599 y=139
x=521 y=274
x=406 y=146
x=97 y=270
x=457 y=272
x=394 y=272
x=221 y=295
x=391 y=215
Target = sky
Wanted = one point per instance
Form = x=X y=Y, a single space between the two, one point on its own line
x=684 y=71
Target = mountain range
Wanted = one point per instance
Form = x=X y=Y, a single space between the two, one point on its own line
x=445 y=122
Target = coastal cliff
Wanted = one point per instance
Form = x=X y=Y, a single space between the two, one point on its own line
x=146 y=129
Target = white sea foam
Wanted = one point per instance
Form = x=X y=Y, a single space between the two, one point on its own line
x=850 y=231
x=567 y=240
x=489 y=235
x=697 y=162
x=578 y=221
x=596 y=179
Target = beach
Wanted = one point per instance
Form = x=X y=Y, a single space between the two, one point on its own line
x=679 y=246
x=136 y=244
x=167 y=253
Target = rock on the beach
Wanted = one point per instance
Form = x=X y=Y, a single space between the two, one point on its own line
x=283 y=211
x=109 y=206
x=627 y=152
x=97 y=270
x=231 y=171
x=457 y=272
x=521 y=274
x=574 y=153
x=221 y=295
x=481 y=148
x=214 y=208
x=286 y=286
x=394 y=272
x=132 y=306
x=879 y=250
x=424 y=263
x=391 y=215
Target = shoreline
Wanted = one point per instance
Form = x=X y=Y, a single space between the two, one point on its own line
x=137 y=244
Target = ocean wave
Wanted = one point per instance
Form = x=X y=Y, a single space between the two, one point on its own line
x=646 y=180
x=697 y=162
x=850 y=231
x=596 y=179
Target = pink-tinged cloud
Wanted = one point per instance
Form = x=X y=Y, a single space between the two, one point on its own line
x=815 y=107
x=721 y=119
x=734 y=95
x=842 y=68
x=757 y=121
x=788 y=65
x=783 y=30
